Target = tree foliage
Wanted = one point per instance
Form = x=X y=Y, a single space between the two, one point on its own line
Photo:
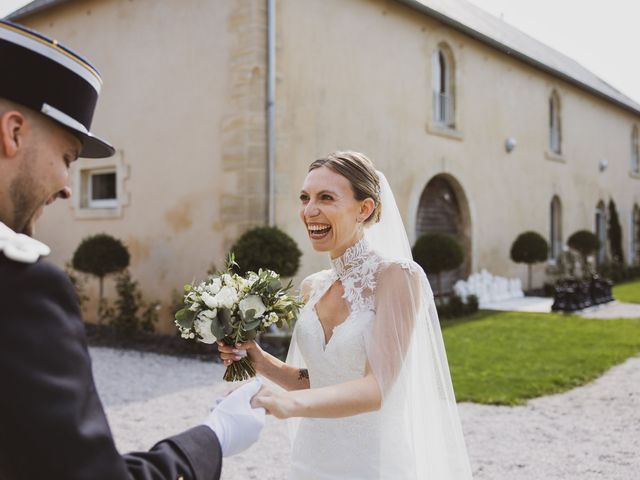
x=614 y=232
x=101 y=255
x=584 y=242
x=529 y=247
x=267 y=247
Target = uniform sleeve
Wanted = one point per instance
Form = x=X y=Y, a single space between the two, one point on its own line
x=52 y=421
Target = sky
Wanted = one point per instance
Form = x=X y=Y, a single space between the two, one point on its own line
x=604 y=36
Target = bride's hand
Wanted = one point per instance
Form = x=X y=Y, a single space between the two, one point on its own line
x=233 y=353
x=277 y=403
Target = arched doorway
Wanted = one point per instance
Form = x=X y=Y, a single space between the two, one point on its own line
x=443 y=208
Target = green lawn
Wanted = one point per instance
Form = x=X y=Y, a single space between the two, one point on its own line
x=505 y=358
x=627 y=292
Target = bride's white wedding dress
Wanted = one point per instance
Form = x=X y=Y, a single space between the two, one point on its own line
x=321 y=444
x=393 y=328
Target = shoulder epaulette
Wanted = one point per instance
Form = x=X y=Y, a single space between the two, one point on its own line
x=21 y=248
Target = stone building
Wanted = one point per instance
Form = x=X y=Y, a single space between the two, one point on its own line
x=483 y=131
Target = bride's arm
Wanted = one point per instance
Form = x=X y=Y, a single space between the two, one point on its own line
x=288 y=377
x=397 y=307
x=335 y=401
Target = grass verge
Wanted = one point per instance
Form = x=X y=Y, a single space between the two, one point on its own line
x=506 y=358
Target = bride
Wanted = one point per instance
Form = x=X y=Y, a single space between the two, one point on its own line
x=366 y=380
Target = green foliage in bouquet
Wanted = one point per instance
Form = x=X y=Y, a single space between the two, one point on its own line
x=268 y=248
x=235 y=309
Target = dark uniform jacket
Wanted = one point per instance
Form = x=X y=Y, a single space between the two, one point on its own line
x=52 y=424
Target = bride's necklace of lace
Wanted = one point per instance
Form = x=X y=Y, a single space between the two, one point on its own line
x=356 y=269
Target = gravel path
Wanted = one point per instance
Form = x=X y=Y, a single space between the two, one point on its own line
x=592 y=432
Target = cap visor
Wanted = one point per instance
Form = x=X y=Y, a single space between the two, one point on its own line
x=94 y=147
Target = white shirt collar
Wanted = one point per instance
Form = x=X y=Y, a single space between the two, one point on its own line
x=19 y=247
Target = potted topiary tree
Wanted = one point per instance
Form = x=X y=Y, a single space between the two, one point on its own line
x=100 y=255
x=529 y=247
x=267 y=247
x=585 y=243
x=437 y=253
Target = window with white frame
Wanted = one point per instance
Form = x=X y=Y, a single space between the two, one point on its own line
x=99 y=187
x=555 y=230
x=443 y=91
x=102 y=188
x=555 y=131
x=635 y=151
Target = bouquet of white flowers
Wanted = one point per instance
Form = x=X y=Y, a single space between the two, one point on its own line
x=234 y=309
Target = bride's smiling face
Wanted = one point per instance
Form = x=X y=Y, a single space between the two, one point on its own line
x=332 y=215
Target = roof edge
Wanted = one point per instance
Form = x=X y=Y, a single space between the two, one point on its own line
x=417 y=5
x=32 y=8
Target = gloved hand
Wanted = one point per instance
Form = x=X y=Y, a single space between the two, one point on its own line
x=235 y=423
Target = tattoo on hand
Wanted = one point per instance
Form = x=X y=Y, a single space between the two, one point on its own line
x=304 y=374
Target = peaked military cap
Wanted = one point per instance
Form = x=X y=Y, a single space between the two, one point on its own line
x=41 y=74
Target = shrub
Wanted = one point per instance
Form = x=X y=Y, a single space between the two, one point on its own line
x=614 y=232
x=585 y=243
x=267 y=247
x=455 y=307
x=130 y=314
x=437 y=253
x=100 y=255
x=617 y=272
x=529 y=247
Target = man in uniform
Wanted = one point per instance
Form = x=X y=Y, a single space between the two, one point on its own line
x=52 y=424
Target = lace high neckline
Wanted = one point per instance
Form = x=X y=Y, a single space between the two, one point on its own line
x=353 y=256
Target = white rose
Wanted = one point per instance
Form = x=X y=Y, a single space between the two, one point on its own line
x=202 y=326
x=241 y=283
x=214 y=286
x=270 y=319
x=209 y=300
x=227 y=279
x=252 y=302
x=226 y=297
x=209 y=313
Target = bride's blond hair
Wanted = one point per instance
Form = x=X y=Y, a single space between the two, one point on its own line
x=361 y=173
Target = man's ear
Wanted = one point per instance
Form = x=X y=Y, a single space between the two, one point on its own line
x=12 y=129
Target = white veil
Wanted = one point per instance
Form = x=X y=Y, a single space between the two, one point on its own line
x=421 y=432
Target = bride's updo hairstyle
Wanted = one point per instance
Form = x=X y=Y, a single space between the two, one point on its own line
x=360 y=172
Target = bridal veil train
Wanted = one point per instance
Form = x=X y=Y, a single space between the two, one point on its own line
x=393 y=331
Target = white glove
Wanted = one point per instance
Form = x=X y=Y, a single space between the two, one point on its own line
x=236 y=424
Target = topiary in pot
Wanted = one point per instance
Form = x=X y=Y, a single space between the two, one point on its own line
x=529 y=247
x=100 y=255
x=269 y=248
x=585 y=243
x=437 y=253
